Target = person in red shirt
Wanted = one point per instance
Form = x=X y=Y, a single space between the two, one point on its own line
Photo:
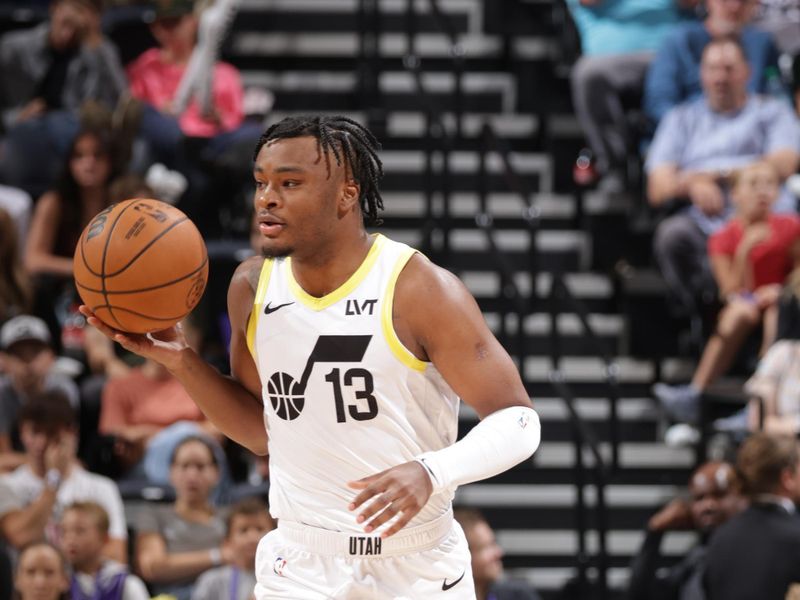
x=750 y=258
x=190 y=137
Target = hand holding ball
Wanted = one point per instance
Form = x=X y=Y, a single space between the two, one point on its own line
x=141 y=266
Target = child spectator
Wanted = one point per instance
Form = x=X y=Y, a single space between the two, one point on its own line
x=178 y=542
x=15 y=288
x=84 y=534
x=751 y=257
x=248 y=521
x=41 y=574
x=28 y=358
x=52 y=478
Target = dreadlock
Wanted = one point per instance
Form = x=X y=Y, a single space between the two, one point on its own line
x=350 y=143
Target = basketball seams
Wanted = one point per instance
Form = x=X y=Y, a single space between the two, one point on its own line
x=103 y=261
x=147 y=289
x=147 y=246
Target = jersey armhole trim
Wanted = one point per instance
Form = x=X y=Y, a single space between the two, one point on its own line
x=255 y=313
x=403 y=354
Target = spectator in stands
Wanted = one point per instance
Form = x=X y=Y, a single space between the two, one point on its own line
x=775 y=386
x=675 y=74
x=696 y=148
x=58 y=221
x=182 y=130
x=149 y=412
x=248 y=521
x=84 y=534
x=41 y=574
x=487 y=566
x=781 y=19
x=28 y=360
x=9 y=527
x=178 y=542
x=757 y=553
x=17 y=203
x=751 y=257
x=618 y=40
x=16 y=295
x=713 y=499
x=48 y=73
x=52 y=478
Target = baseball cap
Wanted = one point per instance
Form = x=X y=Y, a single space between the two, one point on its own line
x=23 y=328
x=166 y=9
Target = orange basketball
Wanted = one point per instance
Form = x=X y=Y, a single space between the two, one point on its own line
x=141 y=266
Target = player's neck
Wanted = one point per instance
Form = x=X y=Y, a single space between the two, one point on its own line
x=328 y=268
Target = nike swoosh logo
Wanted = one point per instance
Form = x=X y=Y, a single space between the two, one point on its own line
x=446 y=586
x=271 y=309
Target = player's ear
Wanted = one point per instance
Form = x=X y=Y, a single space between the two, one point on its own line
x=351 y=192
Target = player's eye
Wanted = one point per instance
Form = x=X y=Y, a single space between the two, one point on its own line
x=260 y=185
x=290 y=183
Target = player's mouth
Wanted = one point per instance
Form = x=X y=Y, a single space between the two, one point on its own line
x=270 y=226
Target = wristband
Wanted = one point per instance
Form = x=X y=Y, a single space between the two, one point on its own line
x=500 y=441
x=216 y=556
x=53 y=479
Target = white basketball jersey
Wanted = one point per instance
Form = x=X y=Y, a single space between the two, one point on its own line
x=343 y=398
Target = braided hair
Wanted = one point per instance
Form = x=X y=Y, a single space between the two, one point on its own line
x=350 y=143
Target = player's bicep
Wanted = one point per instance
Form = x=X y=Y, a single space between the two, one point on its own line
x=461 y=346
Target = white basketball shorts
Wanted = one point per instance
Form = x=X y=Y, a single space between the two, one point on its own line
x=428 y=562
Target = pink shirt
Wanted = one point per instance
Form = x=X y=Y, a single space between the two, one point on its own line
x=156 y=81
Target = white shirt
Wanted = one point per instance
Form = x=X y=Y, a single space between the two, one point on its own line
x=343 y=398
x=79 y=486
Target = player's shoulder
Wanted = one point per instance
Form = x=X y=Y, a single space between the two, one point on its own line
x=247 y=273
x=424 y=286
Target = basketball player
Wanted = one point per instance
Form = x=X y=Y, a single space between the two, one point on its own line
x=353 y=350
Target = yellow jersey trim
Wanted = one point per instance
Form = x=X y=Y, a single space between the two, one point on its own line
x=403 y=354
x=343 y=290
x=255 y=313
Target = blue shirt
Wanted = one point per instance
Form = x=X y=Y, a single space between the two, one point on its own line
x=623 y=26
x=695 y=138
x=674 y=74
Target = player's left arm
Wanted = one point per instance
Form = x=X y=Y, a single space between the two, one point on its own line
x=438 y=320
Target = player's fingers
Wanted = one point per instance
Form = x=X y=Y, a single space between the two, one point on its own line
x=381 y=501
x=360 y=484
x=382 y=517
x=369 y=491
x=402 y=521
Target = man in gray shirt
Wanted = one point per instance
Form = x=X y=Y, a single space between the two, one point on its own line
x=697 y=147
x=28 y=359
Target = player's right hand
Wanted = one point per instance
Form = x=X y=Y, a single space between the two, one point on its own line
x=165 y=346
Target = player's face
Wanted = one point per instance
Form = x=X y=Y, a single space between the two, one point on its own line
x=486 y=553
x=81 y=539
x=246 y=532
x=89 y=163
x=297 y=188
x=40 y=574
x=193 y=471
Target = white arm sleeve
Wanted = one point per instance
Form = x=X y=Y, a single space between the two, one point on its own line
x=500 y=441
